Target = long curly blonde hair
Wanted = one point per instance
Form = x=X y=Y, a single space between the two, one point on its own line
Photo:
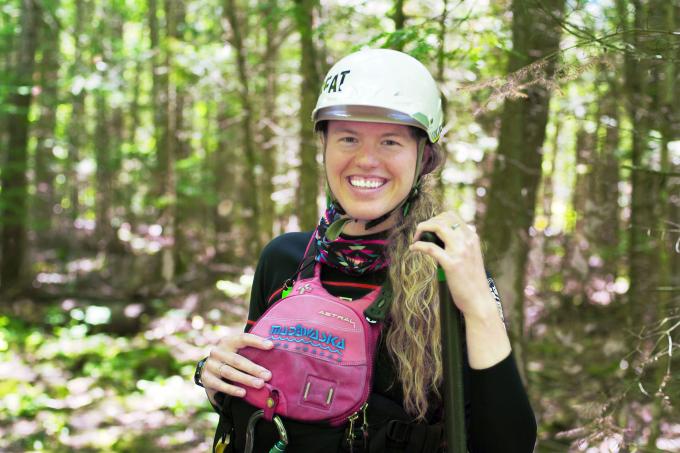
x=413 y=338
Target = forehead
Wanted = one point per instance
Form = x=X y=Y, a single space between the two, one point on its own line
x=362 y=127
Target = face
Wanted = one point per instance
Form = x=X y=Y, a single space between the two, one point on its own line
x=370 y=169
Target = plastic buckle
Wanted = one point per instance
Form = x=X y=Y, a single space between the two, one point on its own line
x=398 y=431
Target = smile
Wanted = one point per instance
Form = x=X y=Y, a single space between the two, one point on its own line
x=366 y=183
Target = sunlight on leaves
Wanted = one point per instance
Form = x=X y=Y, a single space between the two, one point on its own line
x=95 y=315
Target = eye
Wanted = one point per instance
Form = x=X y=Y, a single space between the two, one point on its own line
x=389 y=142
x=348 y=139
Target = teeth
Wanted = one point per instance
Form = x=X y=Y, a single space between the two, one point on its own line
x=365 y=183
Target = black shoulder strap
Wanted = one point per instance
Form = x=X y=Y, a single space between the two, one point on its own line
x=379 y=309
x=306 y=268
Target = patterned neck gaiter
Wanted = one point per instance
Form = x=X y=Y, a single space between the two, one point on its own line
x=351 y=255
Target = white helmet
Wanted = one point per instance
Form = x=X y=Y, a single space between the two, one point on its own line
x=381 y=85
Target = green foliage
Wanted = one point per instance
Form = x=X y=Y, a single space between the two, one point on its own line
x=63 y=374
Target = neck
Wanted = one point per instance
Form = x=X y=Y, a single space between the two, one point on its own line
x=358 y=227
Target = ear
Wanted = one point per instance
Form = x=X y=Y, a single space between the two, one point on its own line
x=321 y=129
x=429 y=162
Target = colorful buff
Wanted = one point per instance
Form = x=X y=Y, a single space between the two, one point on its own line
x=353 y=256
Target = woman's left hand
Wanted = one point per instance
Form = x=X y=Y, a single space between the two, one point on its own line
x=461 y=259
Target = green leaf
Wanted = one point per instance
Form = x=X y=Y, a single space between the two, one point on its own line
x=335 y=229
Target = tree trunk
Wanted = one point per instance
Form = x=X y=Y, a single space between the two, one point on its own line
x=517 y=168
x=104 y=183
x=159 y=99
x=673 y=188
x=644 y=259
x=644 y=215
x=251 y=212
x=45 y=137
x=76 y=131
x=605 y=213
x=119 y=194
x=546 y=197
x=164 y=121
x=667 y=122
x=271 y=17
x=129 y=131
x=168 y=155
x=308 y=191
x=226 y=181
x=441 y=60
x=108 y=127
x=577 y=245
x=180 y=147
x=14 y=194
x=399 y=19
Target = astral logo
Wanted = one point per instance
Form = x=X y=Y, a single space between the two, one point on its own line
x=337 y=316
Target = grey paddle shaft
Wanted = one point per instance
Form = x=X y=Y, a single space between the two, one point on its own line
x=452 y=358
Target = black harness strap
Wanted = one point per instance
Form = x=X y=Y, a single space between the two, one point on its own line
x=413 y=437
x=223 y=441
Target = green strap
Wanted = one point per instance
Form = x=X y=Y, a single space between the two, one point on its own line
x=279 y=447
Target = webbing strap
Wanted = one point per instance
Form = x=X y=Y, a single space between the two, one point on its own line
x=307 y=270
x=222 y=442
x=398 y=436
x=402 y=436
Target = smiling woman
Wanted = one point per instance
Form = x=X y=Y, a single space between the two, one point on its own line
x=370 y=169
x=379 y=118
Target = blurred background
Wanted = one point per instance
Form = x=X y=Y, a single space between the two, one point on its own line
x=150 y=149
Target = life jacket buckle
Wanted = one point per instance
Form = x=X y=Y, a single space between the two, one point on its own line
x=398 y=431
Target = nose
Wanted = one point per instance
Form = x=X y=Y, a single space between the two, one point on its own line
x=366 y=156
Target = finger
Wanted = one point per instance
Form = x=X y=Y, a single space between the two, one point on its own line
x=432 y=250
x=453 y=216
x=214 y=383
x=422 y=227
x=226 y=371
x=439 y=227
x=255 y=341
x=240 y=363
x=453 y=220
x=229 y=345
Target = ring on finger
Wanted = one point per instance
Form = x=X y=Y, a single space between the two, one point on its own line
x=455 y=225
x=219 y=370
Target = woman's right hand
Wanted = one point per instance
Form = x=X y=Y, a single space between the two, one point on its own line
x=225 y=363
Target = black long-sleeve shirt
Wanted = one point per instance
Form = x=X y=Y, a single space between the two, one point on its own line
x=499 y=417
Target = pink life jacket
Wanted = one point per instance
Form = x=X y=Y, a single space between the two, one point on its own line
x=322 y=360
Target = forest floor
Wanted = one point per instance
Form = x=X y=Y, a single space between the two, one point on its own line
x=109 y=372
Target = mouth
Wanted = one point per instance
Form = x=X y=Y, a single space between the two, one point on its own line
x=364 y=182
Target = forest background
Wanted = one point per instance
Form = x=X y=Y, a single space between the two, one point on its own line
x=150 y=149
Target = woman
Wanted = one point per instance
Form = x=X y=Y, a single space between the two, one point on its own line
x=379 y=119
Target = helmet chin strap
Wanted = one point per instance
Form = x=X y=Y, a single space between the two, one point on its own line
x=335 y=228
